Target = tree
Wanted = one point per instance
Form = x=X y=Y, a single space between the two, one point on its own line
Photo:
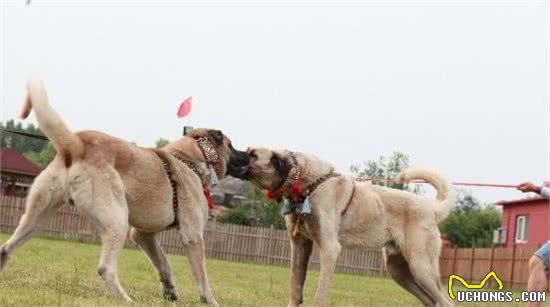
x=18 y=142
x=471 y=223
x=385 y=171
x=44 y=157
x=161 y=142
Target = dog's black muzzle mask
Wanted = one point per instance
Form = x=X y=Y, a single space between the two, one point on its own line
x=238 y=166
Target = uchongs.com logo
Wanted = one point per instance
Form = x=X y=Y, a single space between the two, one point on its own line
x=501 y=296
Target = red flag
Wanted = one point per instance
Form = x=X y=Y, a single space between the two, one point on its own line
x=185 y=108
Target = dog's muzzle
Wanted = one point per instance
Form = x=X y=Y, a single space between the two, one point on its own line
x=239 y=164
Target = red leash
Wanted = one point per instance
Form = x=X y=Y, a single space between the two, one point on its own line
x=485 y=185
x=473 y=184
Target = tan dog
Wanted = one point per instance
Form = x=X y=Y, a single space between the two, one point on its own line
x=358 y=215
x=118 y=184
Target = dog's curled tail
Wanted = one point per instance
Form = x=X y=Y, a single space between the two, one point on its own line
x=446 y=195
x=65 y=142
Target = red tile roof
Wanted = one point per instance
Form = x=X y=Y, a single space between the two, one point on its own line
x=14 y=161
x=519 y=201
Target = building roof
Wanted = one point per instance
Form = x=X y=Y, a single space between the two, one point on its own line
x=13 y=161
x=520 y=201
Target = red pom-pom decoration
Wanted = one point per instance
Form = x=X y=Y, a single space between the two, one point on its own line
x=270 y=194
x=296 y=188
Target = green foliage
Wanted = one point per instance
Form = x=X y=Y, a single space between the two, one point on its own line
x=44 y=157
x=471 y=224
x=161 y=142
x=18 y=142
x=258 y=211
x=385 y=171
x=239 y=216
x=268 y=213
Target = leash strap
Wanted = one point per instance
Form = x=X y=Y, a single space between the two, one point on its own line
x=315 y=184
x=193 y=166
x=349 y=201
x=173 y=184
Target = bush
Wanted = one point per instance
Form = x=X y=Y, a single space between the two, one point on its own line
x=470 y=224
x=239 y=216
x=257 y=211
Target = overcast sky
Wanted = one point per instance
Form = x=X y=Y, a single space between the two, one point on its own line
x=459 y=86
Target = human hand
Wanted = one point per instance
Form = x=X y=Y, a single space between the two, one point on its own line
x=528 y=187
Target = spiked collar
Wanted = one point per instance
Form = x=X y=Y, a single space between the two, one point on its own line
x=210 y=154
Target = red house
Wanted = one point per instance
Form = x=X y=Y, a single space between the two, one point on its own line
x=16 y=172
x=525 y=222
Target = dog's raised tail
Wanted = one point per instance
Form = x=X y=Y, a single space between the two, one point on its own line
x=65 y=142
x=446 y=195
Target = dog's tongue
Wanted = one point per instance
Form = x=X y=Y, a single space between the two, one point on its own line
x=185 y=107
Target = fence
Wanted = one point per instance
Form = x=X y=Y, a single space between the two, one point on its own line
x=472 y=264
x=271 y=246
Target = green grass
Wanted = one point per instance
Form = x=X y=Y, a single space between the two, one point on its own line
x=61 y=273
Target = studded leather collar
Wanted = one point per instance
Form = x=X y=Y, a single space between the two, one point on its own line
x=210 y=154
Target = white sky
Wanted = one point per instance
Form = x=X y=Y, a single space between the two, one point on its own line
x=460 y=86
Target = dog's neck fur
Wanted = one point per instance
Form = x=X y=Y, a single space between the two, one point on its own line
x=312 y=168
x=188 y=147
x=185 y=145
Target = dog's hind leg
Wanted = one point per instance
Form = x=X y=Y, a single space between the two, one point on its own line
x=45 y=195
x=150 y=245
x=401 y=274
x=422 y=273
x=99 y=194
x=422 y=253
x=300 y=251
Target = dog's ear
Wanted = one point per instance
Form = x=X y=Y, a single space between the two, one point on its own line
x=216 y=135
x=280 y=164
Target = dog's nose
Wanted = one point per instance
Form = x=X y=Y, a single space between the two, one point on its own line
x=245 y=158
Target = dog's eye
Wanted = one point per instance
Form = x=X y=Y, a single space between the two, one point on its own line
x=253 y=154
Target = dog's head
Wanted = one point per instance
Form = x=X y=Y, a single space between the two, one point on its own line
x=267 y=168
x=218 y=150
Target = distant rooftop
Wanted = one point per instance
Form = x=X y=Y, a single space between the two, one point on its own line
x=13 y=161
x=520 y=200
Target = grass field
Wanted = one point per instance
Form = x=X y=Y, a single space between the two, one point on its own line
x=60 y=273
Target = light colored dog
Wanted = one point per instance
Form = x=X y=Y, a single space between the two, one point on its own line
x=118 y=184
x=358 y=215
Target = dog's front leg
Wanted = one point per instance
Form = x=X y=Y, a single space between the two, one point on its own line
x=300 y=250
x=329 y=249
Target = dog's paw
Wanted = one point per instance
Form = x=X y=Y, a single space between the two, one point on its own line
x=3 y=257
x=170 y=295
x=211 y=301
